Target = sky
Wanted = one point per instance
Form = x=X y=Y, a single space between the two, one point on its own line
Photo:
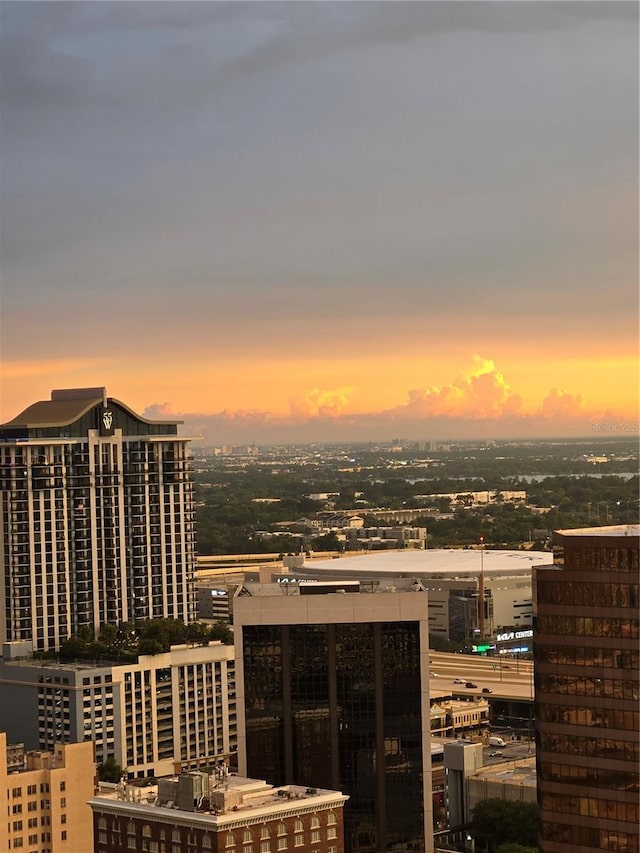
x=319 y=221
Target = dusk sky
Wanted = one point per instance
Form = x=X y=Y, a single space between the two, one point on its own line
x=324 y=221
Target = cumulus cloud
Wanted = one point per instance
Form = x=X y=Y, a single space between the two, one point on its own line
x=483 y=393
x=160 y=411
x=561 y=404
x=319 y=404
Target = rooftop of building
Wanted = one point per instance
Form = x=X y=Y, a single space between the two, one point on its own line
x=216 y=796
x=453 y=562
x=66 y=406
x=624 y=530
x=19 y=653
x=519 y=772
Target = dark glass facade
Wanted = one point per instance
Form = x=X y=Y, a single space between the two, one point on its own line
x=587 y=672
x=339 y=706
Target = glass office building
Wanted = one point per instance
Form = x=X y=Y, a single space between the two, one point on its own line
x=339 y=699
x=587 y=670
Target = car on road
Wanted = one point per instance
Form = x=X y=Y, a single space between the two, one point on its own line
x=459 y=681
x=487 y=690
x=470 y=684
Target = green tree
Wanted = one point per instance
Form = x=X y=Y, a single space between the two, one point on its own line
x=109 y=771
x=150 y=647
x=221 y=631
x=497 y=822
x=72 y=649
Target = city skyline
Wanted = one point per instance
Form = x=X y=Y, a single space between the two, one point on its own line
x=324 y=221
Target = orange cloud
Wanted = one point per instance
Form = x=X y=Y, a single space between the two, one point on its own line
x=319 y=404
x=159 y=411
x=560 y=404
x=484 y=393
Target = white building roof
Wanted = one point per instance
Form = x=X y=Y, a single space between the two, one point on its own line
x=610 y=530
x=438 y=562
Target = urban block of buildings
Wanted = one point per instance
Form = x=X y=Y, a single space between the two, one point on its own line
x=217 y=812
x=451 y=577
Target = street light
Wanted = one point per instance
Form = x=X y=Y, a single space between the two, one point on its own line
x=627 y=515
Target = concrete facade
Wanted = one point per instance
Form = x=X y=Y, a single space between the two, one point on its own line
x=43 y=800
x=179 y=706
x=97 y=519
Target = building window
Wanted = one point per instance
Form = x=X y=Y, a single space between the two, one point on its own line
x=331 y=819
x=282 y=828
x=32 y=789
x=315 y=835
x=282 y=844
x=315 y=822
x=230 y=840
x=299 y=826
x=63 y=835
x=298 y=840
x=63 y=786
x=265 y=846
x=264 y=832
x=247 y=836
x=332 y=832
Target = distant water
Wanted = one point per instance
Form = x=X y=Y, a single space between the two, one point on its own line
x=528 y=478
x=536 y=478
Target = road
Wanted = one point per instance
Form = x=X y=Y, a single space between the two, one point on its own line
x=509 y=679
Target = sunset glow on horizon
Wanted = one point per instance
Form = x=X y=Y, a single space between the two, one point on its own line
x=324 y=221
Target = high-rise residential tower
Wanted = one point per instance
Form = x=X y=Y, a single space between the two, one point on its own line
x=96 y=508
x=333 y=690
x=587 y=689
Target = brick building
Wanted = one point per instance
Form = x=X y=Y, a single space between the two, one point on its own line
x=216 y=812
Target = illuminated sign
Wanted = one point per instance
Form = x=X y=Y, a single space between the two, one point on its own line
x=514 y=635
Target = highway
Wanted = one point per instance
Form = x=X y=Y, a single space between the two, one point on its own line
x=507 y=679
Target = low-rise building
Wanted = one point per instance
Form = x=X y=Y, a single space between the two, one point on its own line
x=44 y=798
x=218 y=812
x=469 y=780
x=179 y=705
x=450 y=717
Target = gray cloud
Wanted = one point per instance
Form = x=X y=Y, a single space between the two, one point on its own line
x=275 y=160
